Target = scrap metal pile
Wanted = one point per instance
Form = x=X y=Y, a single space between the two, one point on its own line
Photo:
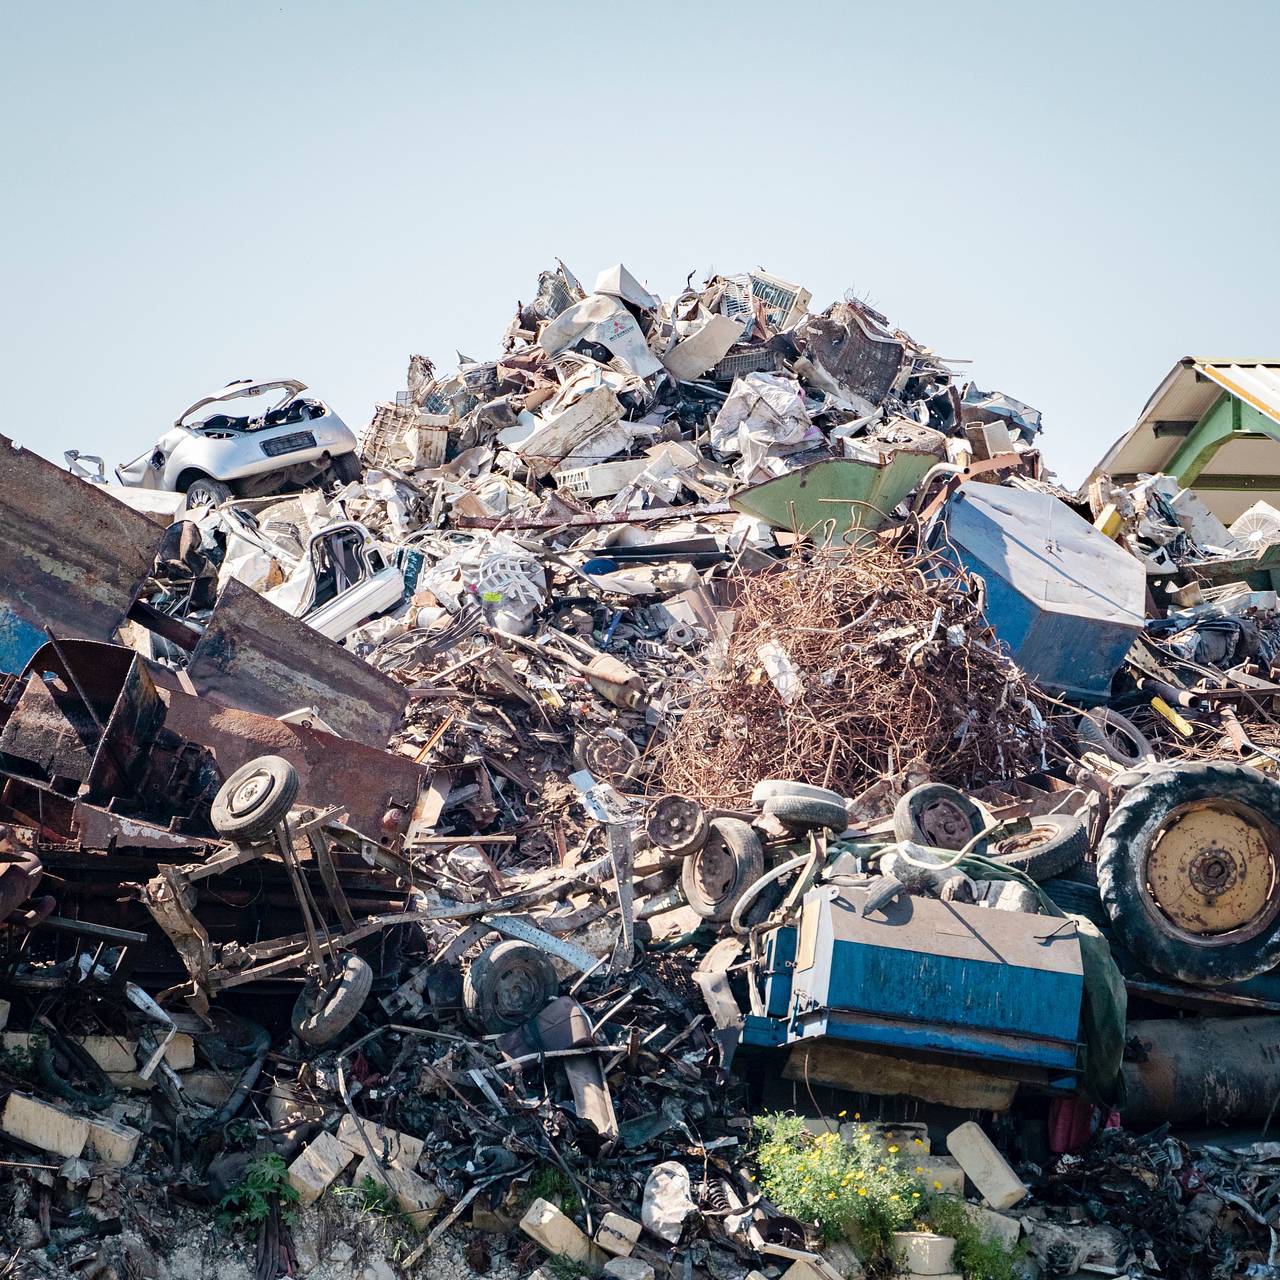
x=704 y=707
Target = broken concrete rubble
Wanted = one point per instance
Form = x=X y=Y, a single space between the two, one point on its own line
x=703 y=709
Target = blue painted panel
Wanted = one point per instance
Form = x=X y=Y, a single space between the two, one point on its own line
x=1066 y=599
x=942 y=1039
x=780 y=954
x=919 y=986
x=18 y=641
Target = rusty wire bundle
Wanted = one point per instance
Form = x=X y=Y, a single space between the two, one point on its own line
x=897 y=674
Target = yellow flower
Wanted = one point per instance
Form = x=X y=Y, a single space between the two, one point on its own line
x=831 y=1195
x=862 y=1191
x=937 y=1186
x=893 y=1197
x=919 y=1168
x=893 y=1151
x=857 y=1115
x=919 y=1142
x=915 y=1195
x=880 y=1169
x=843 y=1114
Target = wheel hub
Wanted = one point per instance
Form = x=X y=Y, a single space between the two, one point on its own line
x=946 y=824
x=677 y=824
x=518 y=995
x=715 y=869
x=250 y=794
x=1212 y=870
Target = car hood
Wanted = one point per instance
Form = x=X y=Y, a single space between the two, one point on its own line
x=290 y=388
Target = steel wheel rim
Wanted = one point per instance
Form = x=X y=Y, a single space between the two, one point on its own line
x=1211 y=873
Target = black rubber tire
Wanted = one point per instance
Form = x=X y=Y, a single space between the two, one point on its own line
x=910 y=817
x=801 y=813
x=1055 y=843
x=206 y=492
x=255 y=799
x=1152 y=937
x=1078 y=899
x=99 y=1091
x=735 y=849
x=772 y=788
x=1117 y=737
x=336 y=1006
x=508 y=984
x=346 y=468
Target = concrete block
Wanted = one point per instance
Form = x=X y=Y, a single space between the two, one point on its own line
x=391 y=1146
x=622 y=1268
x=113 y=1142
x=560 y=1236
x=210 y=1087
x=116 y=1055
x=180 y=1052
x=39 y=1124
x=941 y=1174
x=418 y=1199
x=811 y=1267
x=995 y=1226
x=985 y=1167
x=618 y=1235
x=287 y=1105
x=317 y=1166
x=131 y=1081
x=924 y=1252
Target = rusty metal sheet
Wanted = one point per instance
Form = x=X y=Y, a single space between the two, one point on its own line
x=366 y=781
x=73 y=557
x=256 y=657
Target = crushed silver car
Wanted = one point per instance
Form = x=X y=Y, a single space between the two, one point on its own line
x=248 y=440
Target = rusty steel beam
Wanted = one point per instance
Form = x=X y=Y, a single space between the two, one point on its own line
x=258 y=658
x=73 y=557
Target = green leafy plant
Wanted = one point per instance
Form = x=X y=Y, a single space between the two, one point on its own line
x=564 y=1268
x=19 y=1061
x=977 y=1256
x=550 y=1183
x=855 y=1188
x=249 y=1202
x=374 y=1196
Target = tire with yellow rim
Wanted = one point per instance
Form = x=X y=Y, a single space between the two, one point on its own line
x=1189 y=872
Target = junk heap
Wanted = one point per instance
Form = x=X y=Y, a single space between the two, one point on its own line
x=702 y=711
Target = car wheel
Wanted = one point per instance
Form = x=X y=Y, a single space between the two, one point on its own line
x=676 y=824
x=773 y=788
x=715 y=876
x=1115 y=736
x=801 y=813
x=255 y=799
x=321 y=1018
x=1055 y=844
x=207 y=493
x=346 y=468
x=1189 y=871
x=939 y=816
x=507 y=985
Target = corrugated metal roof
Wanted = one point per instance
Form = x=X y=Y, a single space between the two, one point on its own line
x=1185 y=395
x=1256 y=384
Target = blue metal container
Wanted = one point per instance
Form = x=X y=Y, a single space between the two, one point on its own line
x=928 y=979
x=1066 y=600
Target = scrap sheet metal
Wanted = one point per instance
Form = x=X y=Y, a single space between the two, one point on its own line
x=74 y=557
x=256 y=657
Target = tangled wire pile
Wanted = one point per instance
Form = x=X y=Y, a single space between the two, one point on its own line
x=881 y=665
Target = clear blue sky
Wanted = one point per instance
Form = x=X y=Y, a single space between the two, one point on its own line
x=1071 y=195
